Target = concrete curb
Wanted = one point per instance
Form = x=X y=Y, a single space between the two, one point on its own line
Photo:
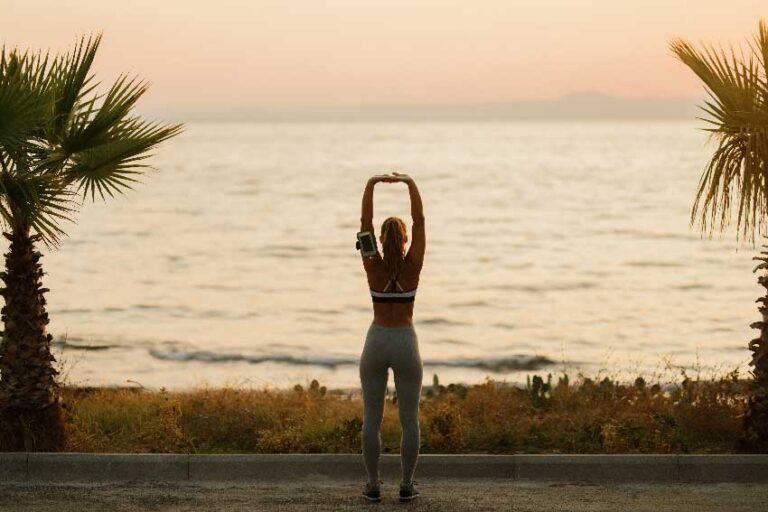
x=652 y=468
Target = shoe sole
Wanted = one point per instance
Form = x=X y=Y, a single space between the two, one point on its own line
x=371 y=499
x=409 y=498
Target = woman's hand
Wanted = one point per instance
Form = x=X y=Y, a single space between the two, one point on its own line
x=385 y=178
x=402 y=177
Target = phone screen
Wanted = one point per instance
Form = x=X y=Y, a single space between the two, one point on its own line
x=366 y=240
x=367 y=243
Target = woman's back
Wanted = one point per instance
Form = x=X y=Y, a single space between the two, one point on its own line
x=393 y=304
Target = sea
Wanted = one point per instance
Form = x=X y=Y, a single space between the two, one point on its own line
x=552 y=248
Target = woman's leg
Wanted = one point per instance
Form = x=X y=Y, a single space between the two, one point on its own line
x=406 y=365
x=373 y=378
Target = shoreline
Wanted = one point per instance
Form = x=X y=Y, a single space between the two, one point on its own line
x=665 y=386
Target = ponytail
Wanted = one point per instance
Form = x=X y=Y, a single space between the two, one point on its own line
x=393 y=231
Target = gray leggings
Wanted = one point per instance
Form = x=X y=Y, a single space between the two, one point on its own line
x=398 y=348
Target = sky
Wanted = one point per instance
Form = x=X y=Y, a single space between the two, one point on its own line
x=333 y=53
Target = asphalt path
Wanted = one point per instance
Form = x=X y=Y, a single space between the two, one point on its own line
x=436 y=495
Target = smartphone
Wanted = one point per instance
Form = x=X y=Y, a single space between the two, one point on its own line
x=366 y=242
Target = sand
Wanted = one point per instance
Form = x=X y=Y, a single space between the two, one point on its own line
x=437 y=495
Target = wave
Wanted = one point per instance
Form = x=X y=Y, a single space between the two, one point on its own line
x=449 y=341
x=497 y=364
x=285 y=251
x=692 y=286
x=219 y=357
x=440 y=321
x=320 y=311
x=544 y=287
x=647 y=235
x=66 y=311
x=654 y=264
x=69 y=345
x=494 y=364
x=470 y=303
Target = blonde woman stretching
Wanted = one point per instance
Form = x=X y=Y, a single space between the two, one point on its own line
x=391 y=341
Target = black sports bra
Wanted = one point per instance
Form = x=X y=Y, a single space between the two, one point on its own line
x=394 y=297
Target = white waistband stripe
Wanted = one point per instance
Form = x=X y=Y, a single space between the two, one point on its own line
x=411 y=293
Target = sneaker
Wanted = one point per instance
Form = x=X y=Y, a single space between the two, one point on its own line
x=372 y=492
x=408 y=491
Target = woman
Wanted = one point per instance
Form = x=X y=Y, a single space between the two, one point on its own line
x=391 y=340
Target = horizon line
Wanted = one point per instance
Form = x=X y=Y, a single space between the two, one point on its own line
x=579 y=106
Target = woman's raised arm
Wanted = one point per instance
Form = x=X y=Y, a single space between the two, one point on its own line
x=366 y=216
x=418 y=235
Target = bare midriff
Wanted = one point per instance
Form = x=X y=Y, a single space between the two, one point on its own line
x=393 y=315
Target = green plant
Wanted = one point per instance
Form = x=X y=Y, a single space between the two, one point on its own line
x=58 y=137
x=539 y=391
x=737 y=176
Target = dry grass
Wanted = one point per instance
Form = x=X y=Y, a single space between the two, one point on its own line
x=585 y=416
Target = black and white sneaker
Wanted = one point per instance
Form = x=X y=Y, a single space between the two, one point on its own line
x=372 y=492
x=408 y=491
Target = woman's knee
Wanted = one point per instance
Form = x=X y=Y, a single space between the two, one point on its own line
x=372 y=421
x=409 y=417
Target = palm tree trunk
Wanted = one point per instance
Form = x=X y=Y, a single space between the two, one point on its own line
x=31 y=415
x=755 y=434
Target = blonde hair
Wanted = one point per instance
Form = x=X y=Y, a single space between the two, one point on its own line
x=394 y=232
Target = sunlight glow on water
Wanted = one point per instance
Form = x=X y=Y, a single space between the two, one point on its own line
x=235 y=262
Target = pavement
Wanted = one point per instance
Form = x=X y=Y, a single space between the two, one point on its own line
x=76 y=482
x=445 y=495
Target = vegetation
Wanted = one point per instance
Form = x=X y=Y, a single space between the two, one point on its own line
x=737 y=176
x=586 y=416
x=58 y=137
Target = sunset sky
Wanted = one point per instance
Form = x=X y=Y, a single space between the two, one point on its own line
x=255 y=53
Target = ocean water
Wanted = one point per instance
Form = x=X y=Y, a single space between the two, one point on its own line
x=550 y=247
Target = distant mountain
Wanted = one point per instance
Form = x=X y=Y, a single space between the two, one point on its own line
x=585 y=106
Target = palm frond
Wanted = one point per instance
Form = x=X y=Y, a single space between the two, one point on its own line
x=92 y=124
x=736 y=177
x=760 y=45
x=59 y=136
x=22 y=77
x=40 y=201
x=71 y=80
x=112 y=166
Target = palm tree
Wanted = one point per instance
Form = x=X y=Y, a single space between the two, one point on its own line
x=59 y=138
x=737 y=177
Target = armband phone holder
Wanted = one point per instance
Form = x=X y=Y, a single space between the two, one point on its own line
x=366 y=243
